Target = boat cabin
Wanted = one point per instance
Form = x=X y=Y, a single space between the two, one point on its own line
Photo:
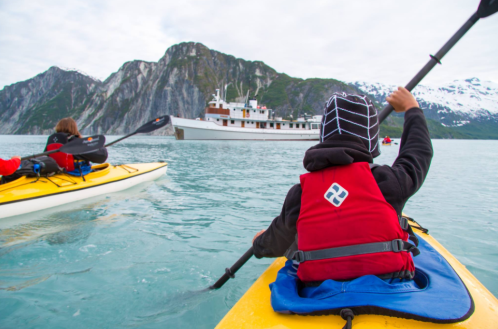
x=252 y=115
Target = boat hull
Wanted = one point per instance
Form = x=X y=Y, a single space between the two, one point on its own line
x=27 y=195
x=187 y=129
x=254 y=310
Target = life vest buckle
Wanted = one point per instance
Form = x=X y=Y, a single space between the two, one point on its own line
x=298 y=256
x=397 y=245
x=403 y=222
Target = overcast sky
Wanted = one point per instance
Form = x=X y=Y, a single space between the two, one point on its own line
x=376 y=41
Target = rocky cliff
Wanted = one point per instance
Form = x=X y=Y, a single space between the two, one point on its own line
x=180 y=83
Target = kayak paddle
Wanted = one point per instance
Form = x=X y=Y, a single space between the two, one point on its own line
x=146 y=128
x=486 y=8
x=230 y=272
x=93 y=143
x=76 y=146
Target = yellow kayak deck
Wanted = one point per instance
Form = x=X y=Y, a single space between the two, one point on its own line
x=26 y=188
x=254 y=310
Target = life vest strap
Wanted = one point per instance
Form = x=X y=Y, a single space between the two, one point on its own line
x=396 y=245
x=403 y=222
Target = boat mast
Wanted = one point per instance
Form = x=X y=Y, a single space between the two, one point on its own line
x=247 y=97
x=217 y=98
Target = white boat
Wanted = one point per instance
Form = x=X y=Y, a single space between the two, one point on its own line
x=242 y=121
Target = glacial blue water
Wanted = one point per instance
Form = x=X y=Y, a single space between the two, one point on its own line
x=136 y=258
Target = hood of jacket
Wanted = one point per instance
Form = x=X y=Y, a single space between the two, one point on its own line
x=335 y=151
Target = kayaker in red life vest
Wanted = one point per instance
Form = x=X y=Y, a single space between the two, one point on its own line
x=79 y=165
x=347 y=201
x=386 y=140
x=8 y=167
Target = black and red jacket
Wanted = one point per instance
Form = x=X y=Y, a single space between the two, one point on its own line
x=397 y=183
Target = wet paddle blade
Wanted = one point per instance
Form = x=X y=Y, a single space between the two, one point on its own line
x=76 y=146
x=154 y=124
x=83 y=145
x=487 y=8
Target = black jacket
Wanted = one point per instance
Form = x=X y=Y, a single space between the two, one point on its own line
x=99 y=156
x=397 y=183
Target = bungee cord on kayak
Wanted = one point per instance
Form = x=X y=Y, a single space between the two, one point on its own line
x=71 y=181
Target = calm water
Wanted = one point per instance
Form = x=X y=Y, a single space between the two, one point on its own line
x=132 y=259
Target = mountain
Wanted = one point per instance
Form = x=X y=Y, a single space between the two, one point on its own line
x=182 y=81
x=460 y=109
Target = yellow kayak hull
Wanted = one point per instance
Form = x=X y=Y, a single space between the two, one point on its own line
x=28 y=194
x=253 y=310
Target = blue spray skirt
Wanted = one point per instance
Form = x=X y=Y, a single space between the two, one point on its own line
x=436 y=294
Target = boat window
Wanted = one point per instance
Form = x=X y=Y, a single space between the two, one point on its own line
x=232 y=121
x=271 y=124
x=217 y=119
x=252 y=122
x=291 y=125
x=283 y=124
x=254 y=111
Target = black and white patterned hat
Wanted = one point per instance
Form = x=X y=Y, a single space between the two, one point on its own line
x=352 y=115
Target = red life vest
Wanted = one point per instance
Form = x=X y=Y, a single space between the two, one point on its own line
x=342 y=208
x=64 y=160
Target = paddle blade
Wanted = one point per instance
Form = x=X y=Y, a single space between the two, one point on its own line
x=154 y=124
x=487 y=8
x=84 y=145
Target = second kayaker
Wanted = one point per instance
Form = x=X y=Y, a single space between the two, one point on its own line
x=346 y=213
x=79 y=165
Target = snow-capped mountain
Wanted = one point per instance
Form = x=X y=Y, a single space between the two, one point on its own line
x=454 y=104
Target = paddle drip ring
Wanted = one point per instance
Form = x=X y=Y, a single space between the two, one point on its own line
x=229 y=273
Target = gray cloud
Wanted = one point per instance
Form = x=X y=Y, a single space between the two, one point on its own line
x=385 y=41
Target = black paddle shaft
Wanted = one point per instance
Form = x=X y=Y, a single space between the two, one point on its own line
x=146 y=128
x=436 y=59
x=230 y=272
x=486 y=8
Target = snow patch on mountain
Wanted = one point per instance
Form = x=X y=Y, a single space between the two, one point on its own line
x=470 y=98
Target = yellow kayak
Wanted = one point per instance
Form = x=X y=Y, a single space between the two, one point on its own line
x=28 y=194
x=253 y=310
